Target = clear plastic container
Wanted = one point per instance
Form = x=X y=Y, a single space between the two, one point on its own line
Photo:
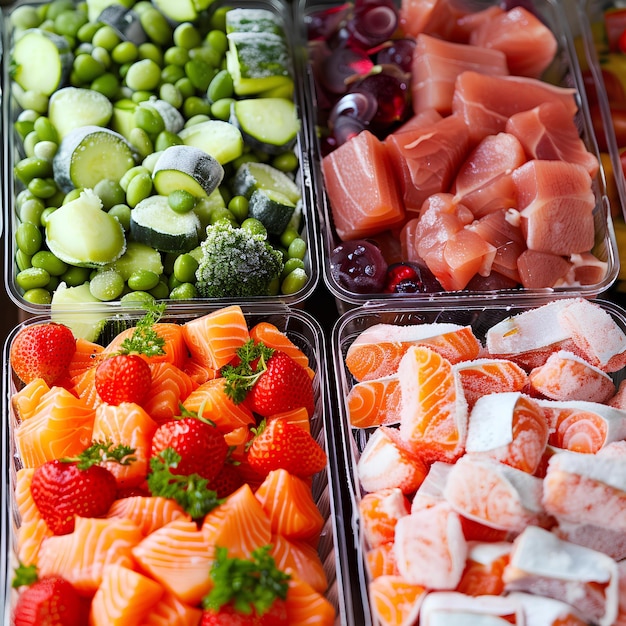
x=565 y=71
x=327 y=486
x=13 y=151
x=349 y=326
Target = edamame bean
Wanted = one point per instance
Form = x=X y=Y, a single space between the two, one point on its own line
x=45 y=150
x=28 y=238
x=186 y=36
x=30 y=141
x=22 y=260
x=222 y=213
x=49 y=210
x=139 y=188
x=176 y=55
x=181 y=201
x=185 y=86
x=110 y=193
x=122 y=213
x=286 y=162
x=220 y=109
x=292 y=264
x=106 y=37
x=68 y=23
x=37 y=296
x=161 y=291
x=142 y=142
x=45 y=129
x=31 y=210
x=165 y=139
x=149 y=119
x=194 y=106
x=185 y=267
x=24 y=17
x=33 y=167
x=46 y=260
x=199 y=73
x=156 y=26
x=143 y=75
x=294 y=281
x=43 y=187
x=170 y=93
x=106 y=285
x=107 y=84
x=217 y=40
x=32 y=278
x=87 y=68
x=288 y=235
x=186 y=291
x=75 y=276
x=143 y=280
x=221 y=86
x=125 y=52
x=172 y=73
x=136 y=298
x=297 y=249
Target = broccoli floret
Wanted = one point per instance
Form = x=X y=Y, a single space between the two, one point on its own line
x=236 y=263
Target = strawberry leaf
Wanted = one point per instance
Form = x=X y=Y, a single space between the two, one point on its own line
x=24 y=575
x=145 y=339
x=190 y=492
x=246 y=583
x=239 y=379
x=102 y=452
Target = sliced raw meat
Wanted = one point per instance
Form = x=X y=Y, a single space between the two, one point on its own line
x=436 y=65
x=548 y=132
x=427 y=158
x=529 y=45
x=543 y=611
x=361 y=187
x=600 y=538
x=430 y=492
x=484 y=568
x=379 y=512
x=587 y=269
x=483 y=182
x=541 y=270
x=467 y=24
x=374 y=402
x=436 y=17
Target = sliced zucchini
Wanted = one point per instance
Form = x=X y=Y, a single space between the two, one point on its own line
x=257 y=62
x=181 y=10
x=123 y=117
x=95 y=7
x=172 y=117
x=187 y=168
x=272 y=208
x=90 y=154
x=73 y=107
x=267 y=124
x=81 y=233
x=221 y=140
x=251 y=176
x=125 y=22
x=41 y=61
x=137 y=256
x=152 y=222
x=253 y=20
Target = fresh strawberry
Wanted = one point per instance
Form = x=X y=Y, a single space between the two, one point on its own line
x=269 y=381
x=65 y=488
x=282 y=444
x=49 y=601
x=42 y=351
x=246 y=592
x=227 y=480
x=199 y=443
x=123 y=378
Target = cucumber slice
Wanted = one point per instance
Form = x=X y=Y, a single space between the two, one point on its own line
x=253 y=20
x=251 y=176
x=181 y=10
x=138 y=256
x=267 y=124
x=221 y=140
x=125 y=22
x=81 y=233
x=90 y=154
x=272 y=208
x=153 y=223
x=73 y=107
x=257 y=62
x=41 y=61
x=65 y=300
x=188 y=168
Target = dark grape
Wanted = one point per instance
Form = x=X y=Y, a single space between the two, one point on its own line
x=342 y=65
x=392 y=94
x=373 y=22
x=397 y=52
x=324 y=24
x=410 y=278
x=359 y=266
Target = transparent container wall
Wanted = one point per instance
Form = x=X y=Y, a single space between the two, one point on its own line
x=13 y=151
x=306 y=333
x=565 y=71
x=351 y=324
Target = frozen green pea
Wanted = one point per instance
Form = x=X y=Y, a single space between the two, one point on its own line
x=49 y=210
x=218 y=214
x=143 y=280
x=75 y=276
x=297 y=249
x=156 y=26
x=172 y=73
x=221 y=86
x=195 y=105
x=165 y=139
x=286 y=162
x=161 y=291
x=176 y=55
x=124 y=52
x=294 y=281
x=220 y=109
x=43 y=187
x=199 y=73
x=69 y=22
x=122 y=213
x=217 y=40
x=185 y=86
x=185 y=268
x=32 y=167
x=238 y=206
x=110 y=193
x=87 y=68
x=141 y=96
x=136 y=298
x=181 y=201
x=185 y=291
x=28 y=238
x=143 y=75
x=292 y=264
x=31 y=210
x=46 y=260
x=87 y=31
x=107 y=84
x=45 y=129
x=149 y=119
x=32 y=278
x=254 y=226
x=170 y=93
x=22 y=260
x=187 y=36
x=149 y=50
x=37 y=296
x=288 y=235
x=139 y=188
x=106 y=285
x=45 y=150
x=106 y=37
x=141 y=141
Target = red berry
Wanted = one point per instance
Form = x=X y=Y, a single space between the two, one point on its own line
x=50 y=601
x=123 y=378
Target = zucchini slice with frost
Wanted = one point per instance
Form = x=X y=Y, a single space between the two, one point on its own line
x=90 y=154
x=223 y=141
x=255 y=20
x=73 y=107
x=155 y=224
x=272 y=208
x=252 y=176
x=125 y=22
x=41 y=61
x=181 y=10
x=267 y=124
x=187 y=168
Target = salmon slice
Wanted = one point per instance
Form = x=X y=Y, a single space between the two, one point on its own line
x=288 y=503
x=510 y=428
x=494 y=494
x=124 y=597
x=379 y=512
x=85 y=388
x=467 y=24
x=430 y=492
x=377 y=350
x=301 y=560
x=61 y=425
x=126 y=424
x=480 y=377
x=430 y=548
x=527 y=43
x=483 y=182
x=239 y=524
x=484 y=569
x=307 y=607
x=539 y=270
x=272 y=337
x=198 y=372
x=148 y=512
x=213 y=339
x=436 y=17
x=169 y=388
x=434 y=412
x=436 y=65
x=588 y=268
x=538 y=609
x=547 y=132
x=299 y=416
x=566 y=376
x=178 y=556
x=25 y=401
x=556 y=206
x=83 y=555
x=210 y=401
x=361 y=186
x=381 y=561
x=426 y=159
x=395 y=601
x=170 y=611
x=86 y=356
x=486 y=102
x=375 y=402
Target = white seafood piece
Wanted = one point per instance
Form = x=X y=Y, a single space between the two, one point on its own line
x=600 y=538
x=450 y=608
x=494 y=494
x=430 y=492
x=543 y=611
x=543 y=564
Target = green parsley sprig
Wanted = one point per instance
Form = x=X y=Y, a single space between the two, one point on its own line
x=100 y=452
x=145 y=339
x=240 y=378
